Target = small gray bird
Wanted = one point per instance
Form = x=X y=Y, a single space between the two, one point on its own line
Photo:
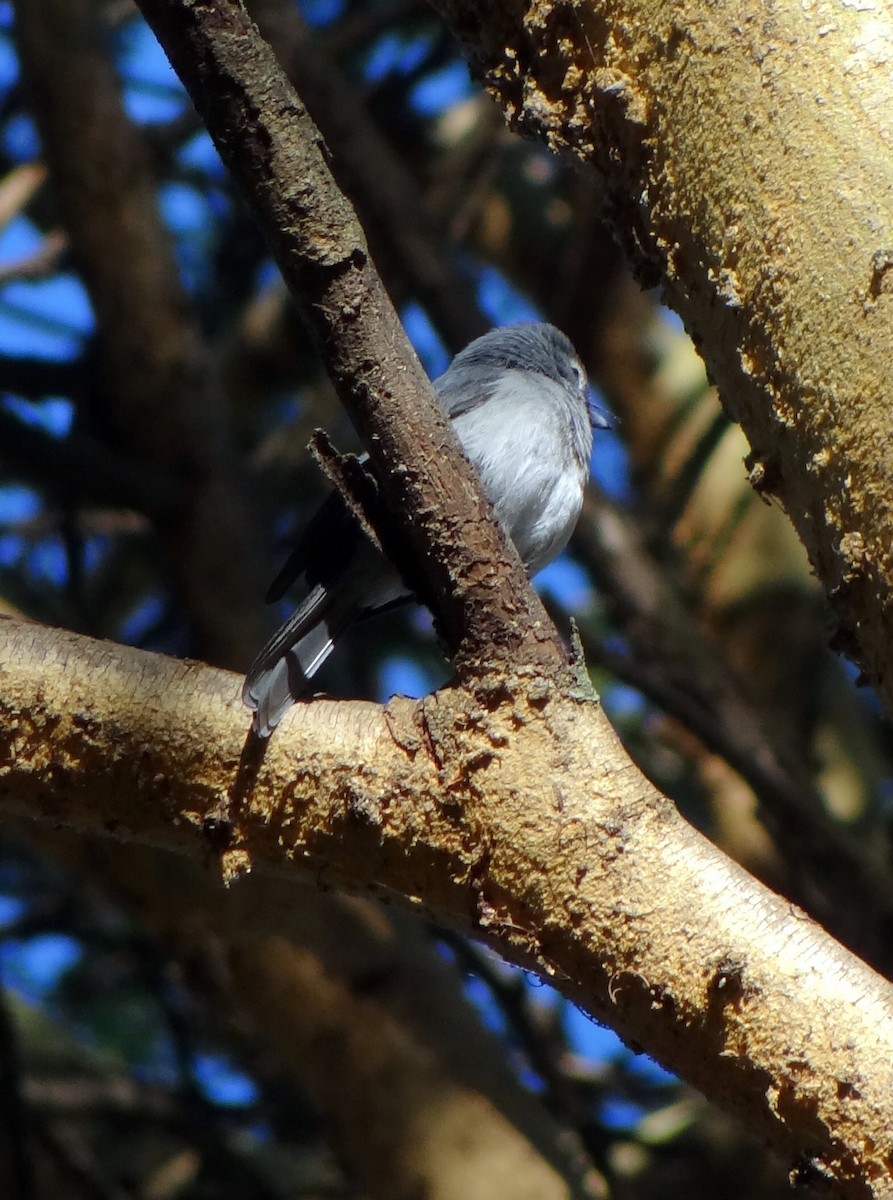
x=517 y=398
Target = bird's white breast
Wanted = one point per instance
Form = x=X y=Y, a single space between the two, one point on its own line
x=520 y=442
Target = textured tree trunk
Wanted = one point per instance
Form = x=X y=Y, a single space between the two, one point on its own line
x=747 y=151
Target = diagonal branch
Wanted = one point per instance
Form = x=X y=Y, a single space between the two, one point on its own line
x=673 y=663
x=520 y=822
x=486 y=608
x=392 y=207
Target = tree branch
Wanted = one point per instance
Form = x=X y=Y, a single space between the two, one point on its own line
x=515 y=817
x=390 y=204
x=673 y=663
x=486 y=608
x=352 y=1001
x=524 y=825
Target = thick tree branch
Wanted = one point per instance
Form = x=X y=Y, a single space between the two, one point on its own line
x=673 y=662
x=390 y=204
x=486 y=608
x=751 y=171
x=524 y=825
x=514 y=816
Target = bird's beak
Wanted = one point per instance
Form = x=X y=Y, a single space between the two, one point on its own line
x=599 y=419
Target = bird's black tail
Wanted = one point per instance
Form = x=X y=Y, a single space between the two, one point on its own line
x=281 y=673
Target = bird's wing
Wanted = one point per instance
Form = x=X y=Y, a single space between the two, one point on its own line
x=332 y=534
x=324 y=548
x=461 y=390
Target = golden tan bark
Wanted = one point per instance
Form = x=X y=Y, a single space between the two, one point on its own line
x=509 y=810
x=748 y=152
x=522 y=823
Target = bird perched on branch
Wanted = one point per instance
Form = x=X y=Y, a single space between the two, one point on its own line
x=517 y=400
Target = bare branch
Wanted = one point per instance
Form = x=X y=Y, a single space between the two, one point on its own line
x=524 y=825
x=389 y=202
x=486 y=607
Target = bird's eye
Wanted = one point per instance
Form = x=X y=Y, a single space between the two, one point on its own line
x=579 y=377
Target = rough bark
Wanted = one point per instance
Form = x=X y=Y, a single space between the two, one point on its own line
x=405 y=240
x=748 y=152
x=472 y=577
x=522 y=823
x=508 y=811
